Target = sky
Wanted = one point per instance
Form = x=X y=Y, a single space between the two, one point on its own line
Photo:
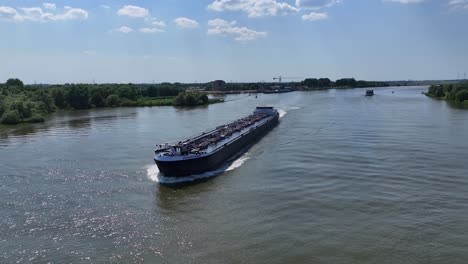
x=147 y=41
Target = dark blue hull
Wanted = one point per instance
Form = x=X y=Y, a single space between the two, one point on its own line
x=215 y=160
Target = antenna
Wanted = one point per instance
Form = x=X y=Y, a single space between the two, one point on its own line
x=464 y=76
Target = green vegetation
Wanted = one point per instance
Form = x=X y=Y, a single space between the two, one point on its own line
x=456 y=94
x=307 y=84
x=325 y=83
x=191 y=99
x=30 y=103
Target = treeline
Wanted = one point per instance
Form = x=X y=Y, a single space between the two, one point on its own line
x=451 y=92
x=30 y=103
x=309 y=83
x=323 y=83
x=246 y=86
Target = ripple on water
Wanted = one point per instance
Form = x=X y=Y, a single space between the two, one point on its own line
x=341 y=179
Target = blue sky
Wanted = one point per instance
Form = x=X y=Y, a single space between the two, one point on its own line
x=235 y=40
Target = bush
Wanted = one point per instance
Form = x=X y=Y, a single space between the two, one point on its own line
x=461 y=96
x=204 y=99
x=23 y=108
x=191 y=99
x=2 y=106
x=11 y=117
x=97 y=100
x=180 y=99
x=128 y=102
x=78 y=97
x=36 y=118
x=113 y=100
x=436 y=91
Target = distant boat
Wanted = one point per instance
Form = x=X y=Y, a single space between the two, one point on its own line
x=370 y=93
x=277 y=91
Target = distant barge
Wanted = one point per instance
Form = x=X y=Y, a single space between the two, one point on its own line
x=276 y=91
x=210 y=150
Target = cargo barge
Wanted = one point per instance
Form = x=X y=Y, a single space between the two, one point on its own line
x=210 y=150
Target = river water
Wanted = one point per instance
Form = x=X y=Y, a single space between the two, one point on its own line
x=342 y=179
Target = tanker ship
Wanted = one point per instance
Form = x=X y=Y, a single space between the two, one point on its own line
x=210 y=150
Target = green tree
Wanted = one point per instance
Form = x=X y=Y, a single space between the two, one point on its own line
x=127 y=92
x=113 y=100
x=204 y=98
x=346 y=82
x=2 y=105
x=436 y=91
x=48 y=101
x=78 y=97
x=15 y=82
x=462 y=96
x=311 y=83
x=180 y=99
x=59 y=98
x=324 y=82
x=23 y=108
x=11 y=117
x=190 y=99
x=97 y=100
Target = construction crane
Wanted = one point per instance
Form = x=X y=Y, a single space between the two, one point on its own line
x=281 y=78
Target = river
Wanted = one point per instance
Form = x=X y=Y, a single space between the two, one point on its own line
x=342 y=179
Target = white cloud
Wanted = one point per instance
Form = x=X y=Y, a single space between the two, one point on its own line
x=72 y=14
x=104 y=6
x=316 y=4
x=35 y=13
x=124 y=29
x=229 y=28
x=50 y=6
x=404 y=1
x=9 y=13
x=313 y=16
x=458 y=4
x=184 y=22
x=254 y=8
x=38 y=15
x=158 y=23
x=148 y=30
x=133 y=11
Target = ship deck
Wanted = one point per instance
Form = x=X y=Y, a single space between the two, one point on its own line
x=213 y=140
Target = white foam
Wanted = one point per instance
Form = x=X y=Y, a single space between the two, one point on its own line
x=238 y=162
x=292 y=108
x=154 y=174
x=282 y=113
x=152 y=171
x=284 y=110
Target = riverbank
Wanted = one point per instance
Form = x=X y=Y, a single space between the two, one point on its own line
x=21 y=103
x=455 y=94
